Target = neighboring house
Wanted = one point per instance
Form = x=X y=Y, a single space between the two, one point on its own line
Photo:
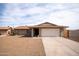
x=3 y=30
x=47 y=30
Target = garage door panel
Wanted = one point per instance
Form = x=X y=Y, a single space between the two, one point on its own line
x=50 y=32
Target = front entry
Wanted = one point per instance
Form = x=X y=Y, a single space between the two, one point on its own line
x=36 y=32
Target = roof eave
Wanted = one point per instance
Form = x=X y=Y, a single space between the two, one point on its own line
x=48 y=26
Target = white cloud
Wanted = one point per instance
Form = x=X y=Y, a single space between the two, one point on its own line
x=37 y=10
x=66 y=18
x=61 y=14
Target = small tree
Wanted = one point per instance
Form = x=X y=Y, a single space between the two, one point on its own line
x=10 y=31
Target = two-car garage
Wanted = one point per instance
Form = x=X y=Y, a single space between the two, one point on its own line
x=47 y=32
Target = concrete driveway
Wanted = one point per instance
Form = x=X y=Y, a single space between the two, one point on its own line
x=59 y=46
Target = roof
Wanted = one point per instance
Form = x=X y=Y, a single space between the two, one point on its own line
x=4 y=28
x=22 y=27
x=47 y=24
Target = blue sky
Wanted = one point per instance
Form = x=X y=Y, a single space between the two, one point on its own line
x=17 y=14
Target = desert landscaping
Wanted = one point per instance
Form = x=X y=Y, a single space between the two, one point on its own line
x=21 y=46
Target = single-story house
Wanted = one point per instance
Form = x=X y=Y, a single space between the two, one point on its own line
x=47 y=30
x=3 y=30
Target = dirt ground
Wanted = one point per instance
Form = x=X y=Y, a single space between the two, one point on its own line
x=21 y=46
x=74 y=38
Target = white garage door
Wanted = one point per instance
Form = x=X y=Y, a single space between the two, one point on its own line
x=50 y=32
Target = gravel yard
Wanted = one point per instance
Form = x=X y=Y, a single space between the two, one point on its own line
x=21 y=46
